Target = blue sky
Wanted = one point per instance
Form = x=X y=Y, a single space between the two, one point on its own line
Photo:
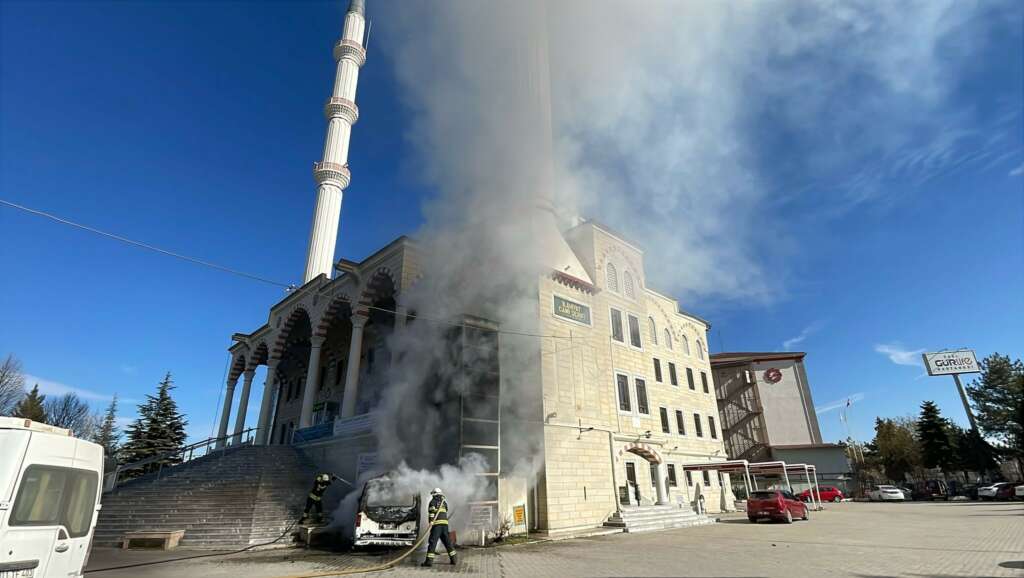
x=885 y=217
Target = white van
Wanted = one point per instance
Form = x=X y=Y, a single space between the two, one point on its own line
x=49 y=499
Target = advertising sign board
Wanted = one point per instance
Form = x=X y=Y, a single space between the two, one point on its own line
x=951 y=362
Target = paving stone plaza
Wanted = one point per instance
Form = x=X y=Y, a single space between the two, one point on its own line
x=849 y=539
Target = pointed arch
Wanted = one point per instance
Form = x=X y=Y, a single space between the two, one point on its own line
x=668 y=338
x=686 y=345
x=612 y=280
x=259 y=355
x=239 y=363
x=700 y=349
x=653 y=327
x=627 y=284
x=298 y=319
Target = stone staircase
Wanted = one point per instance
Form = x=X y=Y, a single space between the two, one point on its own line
x=651 y=518
x=246 y=495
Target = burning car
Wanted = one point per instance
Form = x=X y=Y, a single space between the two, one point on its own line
x=386 y=516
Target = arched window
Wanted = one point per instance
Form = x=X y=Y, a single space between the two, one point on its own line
x=654 y=330
x=700 y=349
x=627 y=285
x=613 y=278
x=686 y=345
x=668 y=338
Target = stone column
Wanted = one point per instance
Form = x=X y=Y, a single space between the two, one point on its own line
x=312 y=381
x=263 y=426
x=660 y=485
x=225 y=414
x=243 y=406
x=355 y=350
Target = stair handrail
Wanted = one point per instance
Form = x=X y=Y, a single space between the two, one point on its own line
x=245 y=437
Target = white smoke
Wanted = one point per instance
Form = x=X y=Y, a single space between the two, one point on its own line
x=659 y=115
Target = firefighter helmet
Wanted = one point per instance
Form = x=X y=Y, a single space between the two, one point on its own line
x=436 y=492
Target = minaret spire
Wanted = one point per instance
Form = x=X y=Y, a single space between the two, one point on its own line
x=332 y=174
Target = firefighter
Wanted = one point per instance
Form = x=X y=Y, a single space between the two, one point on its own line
x=437 y=511
x=314 y=503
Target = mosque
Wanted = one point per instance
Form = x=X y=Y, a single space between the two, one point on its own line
x=620 y=395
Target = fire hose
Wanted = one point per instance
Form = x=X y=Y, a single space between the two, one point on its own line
x=377 y=568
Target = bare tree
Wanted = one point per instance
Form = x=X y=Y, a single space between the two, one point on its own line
x=12 y=384
x=70 y=412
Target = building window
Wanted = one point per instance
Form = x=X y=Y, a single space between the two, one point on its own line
x=700 y=349
x=673 y=378
x=613 y=278
x=689 y=478
x=707 y=477
x=704 y=382
x=664 y=420
x=672 y=476
x=686 y=345
x=654 y=330
x=641 y=397
x=634 y=331
x=689 y=379
x=711 y=428
x=668 y=338
x=696 y=425
x=657 y=370
x=623 y=385
x=617 y=326
x=680 y=423
x=627 y=285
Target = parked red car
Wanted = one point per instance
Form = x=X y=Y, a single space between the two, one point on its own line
x=775 y=505
x=825 y=494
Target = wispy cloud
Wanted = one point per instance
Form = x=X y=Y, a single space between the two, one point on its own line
x=128 y=369
x=48 y=387
x=804 y=334
x=899 y=355
x=834 y=405
x=1017 y=171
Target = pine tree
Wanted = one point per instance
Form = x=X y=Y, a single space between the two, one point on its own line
x=895 y=448
x=166 y=426
x=108 y=435
x=159 y=429
x=971 y=452
x=998 y=397
x=31 y=406
x=933 y=434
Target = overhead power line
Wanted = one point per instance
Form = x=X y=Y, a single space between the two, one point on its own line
x=205 y=263
x=156 y=249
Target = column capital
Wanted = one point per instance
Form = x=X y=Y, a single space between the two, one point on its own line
x=232 y=381
x=249 y=373
x=359 y=320
x=317 y=341
x=272 y=364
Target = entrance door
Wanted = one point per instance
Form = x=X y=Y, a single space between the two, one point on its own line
x=632 y=489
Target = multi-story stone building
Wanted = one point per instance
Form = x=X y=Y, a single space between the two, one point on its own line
x=615 y=396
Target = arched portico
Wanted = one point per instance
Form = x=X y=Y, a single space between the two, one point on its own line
x=657 y=468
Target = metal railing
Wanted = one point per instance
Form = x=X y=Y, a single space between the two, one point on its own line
x=182 y=456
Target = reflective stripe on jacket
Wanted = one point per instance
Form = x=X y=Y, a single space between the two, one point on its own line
x=437 y=511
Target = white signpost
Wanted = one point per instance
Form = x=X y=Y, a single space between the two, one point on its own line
x=954 y=363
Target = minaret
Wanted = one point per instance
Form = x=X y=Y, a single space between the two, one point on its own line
x=332 y=175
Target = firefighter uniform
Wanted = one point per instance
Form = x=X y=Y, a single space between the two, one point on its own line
x=314 y=503
x=437 y=512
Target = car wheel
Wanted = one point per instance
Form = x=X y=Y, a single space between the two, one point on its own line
x=807 y=514
x=837 y=499
x=789 y=517
x=752 y=520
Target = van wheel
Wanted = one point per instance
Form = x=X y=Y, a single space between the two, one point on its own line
x=789 y=517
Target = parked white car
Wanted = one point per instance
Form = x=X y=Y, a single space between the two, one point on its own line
x=1018 y=492
x=886 y=494
x=996 y=491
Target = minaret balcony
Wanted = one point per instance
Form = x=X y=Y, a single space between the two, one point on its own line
x=351 y=50
x=342 y=108
x=332 y=174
